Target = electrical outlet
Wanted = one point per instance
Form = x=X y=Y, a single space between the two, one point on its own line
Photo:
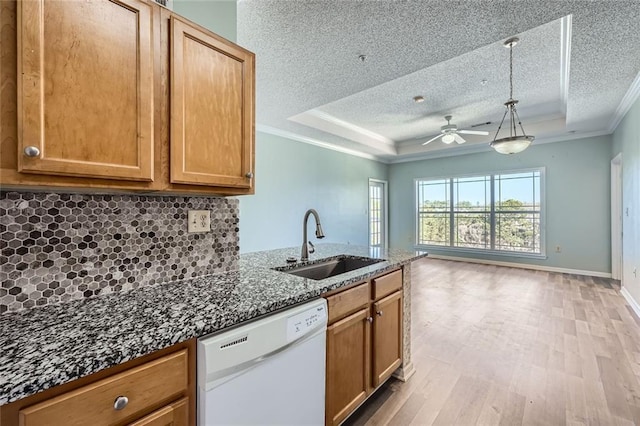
x=198 y=221
x=558 y=249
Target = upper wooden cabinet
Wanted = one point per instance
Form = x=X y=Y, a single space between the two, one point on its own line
x=125 y=95
x=85 y=88
x=212 y=100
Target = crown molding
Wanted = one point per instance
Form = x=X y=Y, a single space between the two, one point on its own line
x=478 y=148
x=311 y=141
x=626 y=103
x=327 y=123
x=443 y=153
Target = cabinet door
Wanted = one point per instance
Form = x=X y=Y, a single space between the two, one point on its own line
x=85 y=88
x=212 y=108
x=176 y=414
x=348 y=365
x=387 y=337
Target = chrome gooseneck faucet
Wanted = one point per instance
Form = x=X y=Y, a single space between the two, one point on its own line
x=319 y=234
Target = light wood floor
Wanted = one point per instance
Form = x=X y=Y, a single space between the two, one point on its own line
x=495 y=345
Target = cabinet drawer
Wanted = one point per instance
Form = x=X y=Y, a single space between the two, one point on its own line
x=347 y=301
x=175 y=414
x=387 y=284
x=155 y=382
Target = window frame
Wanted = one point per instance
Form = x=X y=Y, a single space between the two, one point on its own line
x=493 y=252
x=384 y=235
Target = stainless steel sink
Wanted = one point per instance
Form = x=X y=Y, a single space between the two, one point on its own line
x=330 y=267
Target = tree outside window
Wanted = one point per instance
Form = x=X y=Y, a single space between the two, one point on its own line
x=499 y=212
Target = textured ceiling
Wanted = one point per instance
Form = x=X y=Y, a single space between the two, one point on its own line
x=307 y=62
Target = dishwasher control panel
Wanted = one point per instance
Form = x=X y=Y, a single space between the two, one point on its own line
x=302 y=323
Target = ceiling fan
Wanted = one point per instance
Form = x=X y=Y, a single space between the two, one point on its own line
x=449 y=133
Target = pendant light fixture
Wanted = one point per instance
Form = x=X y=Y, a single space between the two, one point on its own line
x=513 y=143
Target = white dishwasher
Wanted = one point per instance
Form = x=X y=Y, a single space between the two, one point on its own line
x=268 y=372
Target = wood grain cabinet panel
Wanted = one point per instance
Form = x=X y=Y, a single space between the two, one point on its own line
x=348 y=365
x=85 y=88
x=347 y=301
x=152 y=384
x=387 y=337
x=176 y=414
x=386 y=284
x=212 y=108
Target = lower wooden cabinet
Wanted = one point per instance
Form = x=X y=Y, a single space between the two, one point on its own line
x=176 y=414
x=364 y=342
x=348 y=365
x=387 y=337
x=157 y=389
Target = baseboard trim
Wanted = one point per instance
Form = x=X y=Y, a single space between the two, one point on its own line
x=630 y=300
x=522 y=266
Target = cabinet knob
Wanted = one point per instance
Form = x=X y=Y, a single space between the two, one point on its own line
x=120 y=402
x=370 y=319
x=379 y=313
x=32 y=151
x=249 y=175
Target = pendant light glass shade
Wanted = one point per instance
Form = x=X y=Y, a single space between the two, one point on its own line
x=513 y=143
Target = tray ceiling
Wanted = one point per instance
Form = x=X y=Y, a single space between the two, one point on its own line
x=571 y=69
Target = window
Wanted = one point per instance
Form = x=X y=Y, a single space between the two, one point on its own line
x=377 y=213
x=498 y=212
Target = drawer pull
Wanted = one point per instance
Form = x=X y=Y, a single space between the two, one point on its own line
x=370 y=319
x=249 y=175
x=120 y=402
x=379 y=313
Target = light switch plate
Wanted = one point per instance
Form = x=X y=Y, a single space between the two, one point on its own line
x=198 y=221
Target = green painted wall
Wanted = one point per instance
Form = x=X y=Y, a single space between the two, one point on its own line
x=292 y=177
x=219 y=16
x=626 y=140
x=577 y=199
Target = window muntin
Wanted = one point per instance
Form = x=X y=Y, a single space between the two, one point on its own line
x=496 y=212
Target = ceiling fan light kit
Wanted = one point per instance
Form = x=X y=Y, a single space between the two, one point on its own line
x=448 y=138
x=513 y=143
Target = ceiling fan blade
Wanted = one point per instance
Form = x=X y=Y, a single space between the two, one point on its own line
x=481 y=124
x=459 y=138
x=431 y=140
x=473 y=132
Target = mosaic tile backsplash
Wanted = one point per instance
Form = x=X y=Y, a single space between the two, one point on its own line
x=59 y=247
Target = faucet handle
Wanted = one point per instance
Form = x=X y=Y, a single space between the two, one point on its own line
x=312 y=249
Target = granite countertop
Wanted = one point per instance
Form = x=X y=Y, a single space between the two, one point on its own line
x=52 y=345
